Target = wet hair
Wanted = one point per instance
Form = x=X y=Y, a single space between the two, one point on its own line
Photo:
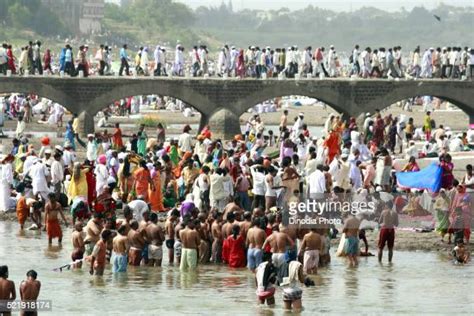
x=133 y=224
x=153 y=217
x=235 y=231
x=106 y=233
x=230 y=216
x=247 y=215
x=127 y=211
x=32 y=274
x=4 y=272
x=122 y=229
x=174 y=212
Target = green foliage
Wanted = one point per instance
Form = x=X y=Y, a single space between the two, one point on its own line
x=315 y=26
x=32 y=15
x=149 y=121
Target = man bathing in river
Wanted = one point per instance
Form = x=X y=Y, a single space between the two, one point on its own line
x=7 y=291
x=29 y=291
x=388 y=221
x=155 y=236
x=255 y=239
x=351 y=246
x=137 y=242
x=170 y=234
x=279 y=243
x=312 y=247
x=190 y=240
x=78 y=244
x=52 y=210
x=120 y=251
x=93 y=229
x=98 y=257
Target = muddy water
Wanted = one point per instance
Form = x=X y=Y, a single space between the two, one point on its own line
x=416 y=283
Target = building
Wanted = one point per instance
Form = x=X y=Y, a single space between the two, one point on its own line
x=82 y=16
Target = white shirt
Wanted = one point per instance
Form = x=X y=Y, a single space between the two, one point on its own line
x=57 y=172
x=185 y=142
x=258 y=182
x=38 y=174
x=317 y=182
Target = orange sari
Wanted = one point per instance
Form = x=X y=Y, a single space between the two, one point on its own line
x=22 y=210
x=142 y=177
x=156 y=196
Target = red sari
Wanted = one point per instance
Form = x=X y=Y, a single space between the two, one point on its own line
x=235 y=251
x=90 y=178
x=332 y=143
x=117 y=139
x=11 y=61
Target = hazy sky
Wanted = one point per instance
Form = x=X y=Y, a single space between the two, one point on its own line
x=336 y=5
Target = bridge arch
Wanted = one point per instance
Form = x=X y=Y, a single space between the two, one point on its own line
x=321 y=93
x=457 y=95
x=151 y=87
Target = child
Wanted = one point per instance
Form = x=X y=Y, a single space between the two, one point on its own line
x=265 y=276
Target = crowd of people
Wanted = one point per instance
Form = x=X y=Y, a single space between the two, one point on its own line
x=255 y=62
x=198 y=200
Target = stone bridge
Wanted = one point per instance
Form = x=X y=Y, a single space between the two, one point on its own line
x=221 y=102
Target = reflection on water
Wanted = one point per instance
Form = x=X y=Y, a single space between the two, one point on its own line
x=417 y=282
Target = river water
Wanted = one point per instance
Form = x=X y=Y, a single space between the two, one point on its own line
x=416 y=283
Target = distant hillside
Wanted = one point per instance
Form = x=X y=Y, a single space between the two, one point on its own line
x=152 y=22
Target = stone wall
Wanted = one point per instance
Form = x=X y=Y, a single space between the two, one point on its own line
x=225 y=100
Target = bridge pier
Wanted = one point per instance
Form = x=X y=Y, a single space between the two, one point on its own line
x=224 y=124
x=87 y=124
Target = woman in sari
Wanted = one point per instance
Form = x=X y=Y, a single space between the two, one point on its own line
x=448 y=167
x=143 y=181
x=142 y=139
x=156 y=195
x=441 y=207
x=241 y=64
x=290 y=178
x=235 y=245
x=461 y=202
x=125 y=178
x=411 y=166
x=378 y=131
x=78 y=185
x=11 y=60
x=332 y=144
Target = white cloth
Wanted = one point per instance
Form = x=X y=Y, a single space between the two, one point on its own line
x=6 y=179
x=317 y=182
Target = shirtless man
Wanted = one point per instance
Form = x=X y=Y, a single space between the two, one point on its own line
x=78 y=243
x=216 y=232
x=155 y=236
x=245 y=224
x=142 y=230
x=7 y=291
x=227 y=227
x=292 y=232
x=169 y=234
x=137 y=242
x=51 y=220
x=388 y=220
x=278 y=242
x=29 y=291
x=204 y=233
x=93 y=229
x=177 y=243
x=191 y=240
x=232 y=207
x=99 y=253
x=120 y=251
x=255 y=238
x=351 y=229
x=311 y=246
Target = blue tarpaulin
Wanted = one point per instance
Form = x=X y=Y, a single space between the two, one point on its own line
x=428 y=178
